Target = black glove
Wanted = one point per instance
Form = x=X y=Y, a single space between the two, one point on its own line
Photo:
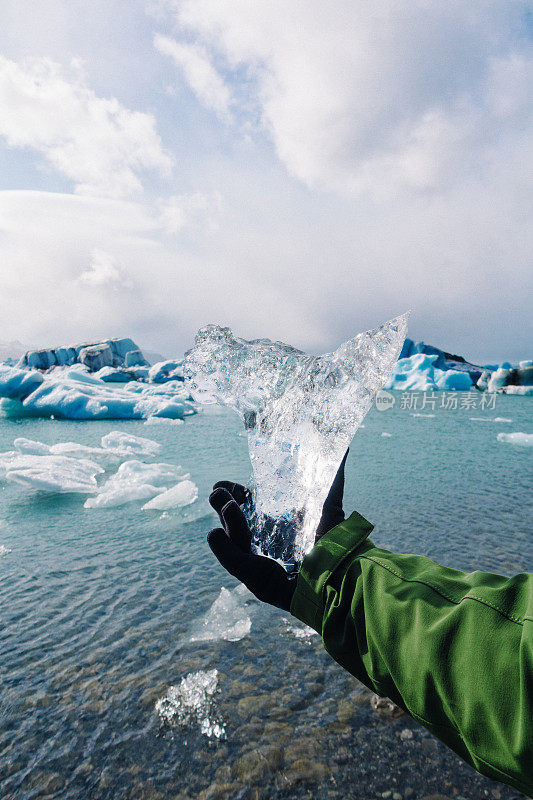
x=263 y=576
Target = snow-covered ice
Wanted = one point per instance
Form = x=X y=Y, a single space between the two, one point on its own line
x=518 y=438
x=178 y=496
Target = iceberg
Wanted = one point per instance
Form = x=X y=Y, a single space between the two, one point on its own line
x=300 y=413
x=420 y=373
x=95 y=355
x=74 y=393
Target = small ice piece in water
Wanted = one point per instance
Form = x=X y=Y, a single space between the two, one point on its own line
x=298 y=631
x=385 y=434
x=301 y=413
x=178 y=496
x=502 y=419
x=192 y=701
x=4 y=550
x=422 y=415
x=54 y=473
x=135 y=480
x=133 y=445
x=226 y=619
x=521 y=439
x=480 y=419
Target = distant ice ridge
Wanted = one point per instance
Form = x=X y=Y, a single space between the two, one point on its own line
x=73 y=393
x=300 y=413
x=519 y=438
x=193 y=702
x=68 y=467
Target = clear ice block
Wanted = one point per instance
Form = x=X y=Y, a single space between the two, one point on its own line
x=300 y=412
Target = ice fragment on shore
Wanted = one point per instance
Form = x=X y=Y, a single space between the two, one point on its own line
x=192 y=701
x=521 y=439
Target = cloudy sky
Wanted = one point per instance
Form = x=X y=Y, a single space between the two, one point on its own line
x=294 y=169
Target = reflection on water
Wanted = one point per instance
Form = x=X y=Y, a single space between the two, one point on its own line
x=102 y=614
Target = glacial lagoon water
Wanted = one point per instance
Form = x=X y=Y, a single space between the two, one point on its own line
x=126 y=671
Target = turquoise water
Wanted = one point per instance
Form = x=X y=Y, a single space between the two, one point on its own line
x=97 y=609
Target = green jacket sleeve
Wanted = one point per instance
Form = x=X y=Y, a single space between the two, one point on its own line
x=454 y=649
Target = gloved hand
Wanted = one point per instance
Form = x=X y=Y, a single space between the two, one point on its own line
x=263 y=576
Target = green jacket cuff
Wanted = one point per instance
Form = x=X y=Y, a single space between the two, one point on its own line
x=327 y=554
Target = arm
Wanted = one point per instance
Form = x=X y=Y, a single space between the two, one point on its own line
x=454 y=649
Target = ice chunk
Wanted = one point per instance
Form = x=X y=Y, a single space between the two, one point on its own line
x=521 y=439
x=502 y=419
x=165 y=371
x=178 y=496
x=31 y=447
x=526 y=391
x=4 y=550
x=192 y=701
x=54 y=473
x=127 y=443
x=387 y=435
x=301 y=413
x=135 y=480
x=453 y=380
x=226 y=619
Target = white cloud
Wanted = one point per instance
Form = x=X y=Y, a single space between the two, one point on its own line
x=95 y=142
x=185 y=210
x=200 y=74
x=373 y=99
x=104 y=271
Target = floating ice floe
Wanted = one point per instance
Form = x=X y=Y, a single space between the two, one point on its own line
x=386 y=435
x=518 y=438
x=227 y=618
x=74 y=393
x=73 y=467
x=4 y=550
x=192 y=702
x=179 y=496
x=57 y=474
x=135 y=480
